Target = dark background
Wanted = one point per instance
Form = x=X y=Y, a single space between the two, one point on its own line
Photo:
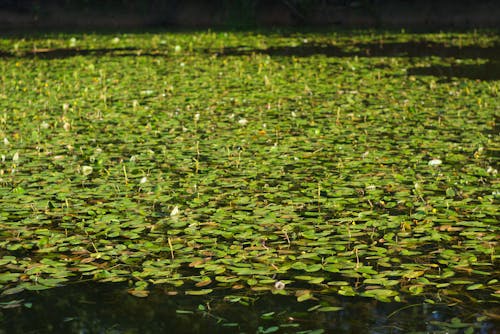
x=420 y=14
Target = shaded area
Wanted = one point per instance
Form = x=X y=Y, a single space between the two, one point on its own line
x=487 y=71
x=74 y=52
x=351 y=13
x=107 y=308
x=399 y=49
x=414 y=49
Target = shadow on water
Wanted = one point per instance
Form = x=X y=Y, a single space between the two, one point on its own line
x=490 y=70
x=64 y=53
x=403 y=49
x=108 y=308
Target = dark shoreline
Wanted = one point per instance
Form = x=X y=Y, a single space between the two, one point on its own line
x=390 y=14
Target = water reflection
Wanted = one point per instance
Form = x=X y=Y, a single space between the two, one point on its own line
x=104 y=308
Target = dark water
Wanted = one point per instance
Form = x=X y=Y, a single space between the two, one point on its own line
x=105 y=308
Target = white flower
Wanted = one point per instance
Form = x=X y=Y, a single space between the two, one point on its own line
x=435 y=162
x=44 y=125
x=243 y=121
x=143 y=180
x=6 y=141
x=175 y=211
x=177 y=48
x=15 y=158
x=491 y=170
x=87 y=170
x=279 y=285
x=115 y=40
x=196 y=117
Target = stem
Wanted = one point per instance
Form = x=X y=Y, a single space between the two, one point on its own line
x=171 y=248
x=125 y=173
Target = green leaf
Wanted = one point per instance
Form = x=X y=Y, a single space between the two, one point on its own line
x=271 y=329
x=199 y=292
x=330 y=309
x=9 y=277
x=475 y=286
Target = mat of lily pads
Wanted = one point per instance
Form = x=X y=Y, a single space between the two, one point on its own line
x=352 y=163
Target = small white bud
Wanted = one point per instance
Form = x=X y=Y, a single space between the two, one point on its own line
x=435 y=162
x=87 y=170
x=279 y=285
x=491 y=170
x=175 y=211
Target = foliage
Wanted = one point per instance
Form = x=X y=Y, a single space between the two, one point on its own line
x=305 y=165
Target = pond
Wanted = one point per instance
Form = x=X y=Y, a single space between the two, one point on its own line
x=272 y=181
x=87 y=308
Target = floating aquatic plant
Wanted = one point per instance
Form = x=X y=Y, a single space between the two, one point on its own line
x=306 y=165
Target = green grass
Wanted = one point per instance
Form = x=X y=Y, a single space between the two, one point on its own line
x=305 y=164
